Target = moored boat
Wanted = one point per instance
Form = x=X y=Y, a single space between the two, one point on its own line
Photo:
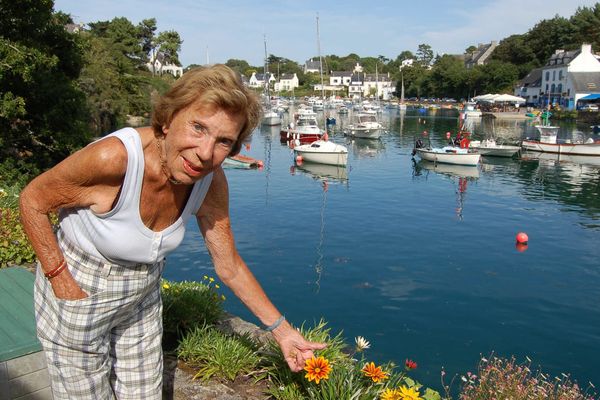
x=449 y=155
x=489 y=147
x=323 y=152
x=366 y=126
x=549 y=143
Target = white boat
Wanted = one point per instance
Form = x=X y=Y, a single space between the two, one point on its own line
x=402 y=106
x=366 y=126
x=323 y=152
x=449 y=155
x=549 y=143
x=470 y=111
x=271 y=118
x=489 y=147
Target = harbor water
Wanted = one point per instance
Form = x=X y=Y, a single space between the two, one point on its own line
x=420 y=259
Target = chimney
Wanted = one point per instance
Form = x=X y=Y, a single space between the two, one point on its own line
x=586 y=48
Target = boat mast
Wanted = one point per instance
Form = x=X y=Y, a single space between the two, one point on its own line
x=267 y=73
x=320 y=59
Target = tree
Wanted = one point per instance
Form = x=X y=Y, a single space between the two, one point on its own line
x=549 y=35
x=405 y=55
x=448 y=78
x=146 y=31
x=42 y=112
x=586 y=26
x=424 y=54
x=516 y=50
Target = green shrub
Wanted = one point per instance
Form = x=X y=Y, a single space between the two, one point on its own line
x=215 y=354
x=187 y=305
x=14 y=245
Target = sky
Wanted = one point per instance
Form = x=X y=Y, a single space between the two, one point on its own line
x=216 y=31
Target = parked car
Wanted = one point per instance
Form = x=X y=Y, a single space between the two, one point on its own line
x=589 y=107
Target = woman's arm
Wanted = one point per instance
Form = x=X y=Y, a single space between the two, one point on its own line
x=90 y=177
x=213 y=219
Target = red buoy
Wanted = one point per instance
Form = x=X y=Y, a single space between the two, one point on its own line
x=448 y=135
x=522 y=238
x=299 y=159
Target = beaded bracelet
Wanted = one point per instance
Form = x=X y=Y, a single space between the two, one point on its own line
x=275 y=324
x=57 y=270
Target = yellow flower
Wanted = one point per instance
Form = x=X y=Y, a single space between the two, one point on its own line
x=205 y=277
x=211 y=279
x=317 y=369
x=166 y=286
x=217 y=286
x=409 y=394
x=390 y=394
x=375 y=373
x=222 y=297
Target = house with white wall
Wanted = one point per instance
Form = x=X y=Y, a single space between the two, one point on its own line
x=312 y=66
x=258 y=80
x=530 y=87
x=287 y=82
x=569 y=76
x=480 y=55
x=162 y=66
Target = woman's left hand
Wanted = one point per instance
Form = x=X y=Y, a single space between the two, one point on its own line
x=296 y=350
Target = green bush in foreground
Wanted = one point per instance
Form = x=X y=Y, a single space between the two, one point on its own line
x=215 y=354
x=187 y=305
x=14 y=245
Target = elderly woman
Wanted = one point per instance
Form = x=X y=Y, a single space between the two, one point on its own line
x=123 y=203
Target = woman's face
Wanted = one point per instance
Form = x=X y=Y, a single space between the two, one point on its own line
x=198 y=140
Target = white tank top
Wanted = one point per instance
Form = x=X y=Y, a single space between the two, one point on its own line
x=120 y=236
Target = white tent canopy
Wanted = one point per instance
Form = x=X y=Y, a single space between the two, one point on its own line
x=509 y=98
x=499 y=98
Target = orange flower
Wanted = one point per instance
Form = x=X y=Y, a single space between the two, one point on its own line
x=317 y=369
x=375 y=373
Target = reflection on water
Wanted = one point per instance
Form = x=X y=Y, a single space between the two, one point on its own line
x=322 y=172
x=367 y=147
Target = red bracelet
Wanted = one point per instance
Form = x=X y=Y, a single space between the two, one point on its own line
x=57 y=270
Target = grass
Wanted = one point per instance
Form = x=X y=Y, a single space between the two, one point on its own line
x=217 y=355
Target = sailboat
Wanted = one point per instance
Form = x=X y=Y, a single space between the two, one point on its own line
x=402 y=106
x=322 y=151
x=270 y=116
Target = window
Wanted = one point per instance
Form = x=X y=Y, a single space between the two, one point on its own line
x=553 y=88
x=553 y=75
x=560 y=75
x=547 y=77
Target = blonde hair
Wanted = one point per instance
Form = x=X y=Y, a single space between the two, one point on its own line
x=217 y=86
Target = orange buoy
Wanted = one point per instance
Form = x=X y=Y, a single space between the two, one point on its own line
x=522 y=238
x=299 y=159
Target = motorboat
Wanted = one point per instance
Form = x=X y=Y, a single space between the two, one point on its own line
x=271 y=118
x=366 y=127
x=549 y=143
x=489 y=147
x=449 y=155
x=323 y=152
x=470 y=111
x=303 y=129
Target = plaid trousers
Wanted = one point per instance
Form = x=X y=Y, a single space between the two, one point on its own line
x=109 y=344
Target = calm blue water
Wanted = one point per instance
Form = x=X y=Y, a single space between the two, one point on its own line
x=422 y=261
